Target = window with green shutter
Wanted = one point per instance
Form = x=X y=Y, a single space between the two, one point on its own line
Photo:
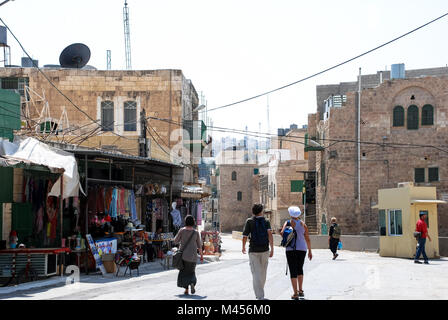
x=239 y=196
x=419 y=175
x=413 y=117
x=427 y=115
x=433 y=174
x=398 y=116
x=296 y=185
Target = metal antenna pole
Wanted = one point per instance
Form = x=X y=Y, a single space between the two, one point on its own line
x=127 y=36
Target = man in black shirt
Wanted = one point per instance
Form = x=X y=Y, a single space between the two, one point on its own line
x=334 y=235
x=260 y=240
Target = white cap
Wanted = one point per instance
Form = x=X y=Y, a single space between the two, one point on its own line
x=294 y=212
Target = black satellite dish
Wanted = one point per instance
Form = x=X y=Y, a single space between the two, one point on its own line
x=74 y=56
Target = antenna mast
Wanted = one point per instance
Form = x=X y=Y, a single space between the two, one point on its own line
x=127 y=35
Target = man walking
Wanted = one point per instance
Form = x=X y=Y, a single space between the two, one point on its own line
x=260 y=240
x=423 y=229
x=334 y=235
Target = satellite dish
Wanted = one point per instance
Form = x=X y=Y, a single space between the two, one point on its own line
x=75 y=56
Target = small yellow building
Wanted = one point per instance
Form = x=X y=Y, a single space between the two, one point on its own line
x=399 y=210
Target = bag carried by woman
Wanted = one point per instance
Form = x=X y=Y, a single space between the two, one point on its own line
x=178 y=263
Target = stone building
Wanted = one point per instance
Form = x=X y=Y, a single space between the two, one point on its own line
x=282 y=178
x=102 y=108
x=235 y=190
x=403 y=134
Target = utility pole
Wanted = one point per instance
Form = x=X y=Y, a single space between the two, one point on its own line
x=143 y=142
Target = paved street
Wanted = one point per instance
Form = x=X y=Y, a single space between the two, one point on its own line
x=354 y=275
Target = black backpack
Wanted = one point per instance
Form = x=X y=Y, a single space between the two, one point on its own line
x=259 y=233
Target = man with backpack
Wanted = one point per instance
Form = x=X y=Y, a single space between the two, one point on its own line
x=334 y=236
x=261 y=239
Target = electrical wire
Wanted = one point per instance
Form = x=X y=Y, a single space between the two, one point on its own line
x=54 y=86
x=330 y=68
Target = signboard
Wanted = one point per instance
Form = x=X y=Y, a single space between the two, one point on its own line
x=99 y=262
x=106 y=245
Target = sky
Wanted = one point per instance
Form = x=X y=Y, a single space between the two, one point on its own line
x=235 y=49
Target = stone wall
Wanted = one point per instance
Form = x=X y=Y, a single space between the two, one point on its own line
x=382 y=165
x=163 y=94
x=232 y=212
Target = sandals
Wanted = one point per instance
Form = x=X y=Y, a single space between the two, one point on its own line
x=193 y=290
x=295 y=297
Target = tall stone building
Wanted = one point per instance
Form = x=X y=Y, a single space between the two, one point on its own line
x=235 y=190
x=103 y=109
x=281 y=179
x=403 y=130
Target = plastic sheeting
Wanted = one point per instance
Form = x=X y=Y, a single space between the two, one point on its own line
x=37 y=152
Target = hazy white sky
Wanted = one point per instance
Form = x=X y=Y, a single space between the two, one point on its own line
x=236 y=49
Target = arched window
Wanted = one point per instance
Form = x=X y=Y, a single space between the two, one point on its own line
x=107 y=115
x=398 y=115
x=412 y=117
x=427 y=115
x=130 y=116
x=233 y=175
x=239 y=196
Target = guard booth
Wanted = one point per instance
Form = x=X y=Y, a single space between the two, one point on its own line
x=398 y=211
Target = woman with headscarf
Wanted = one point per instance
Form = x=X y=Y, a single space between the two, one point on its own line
x=190 y=243
x=296 y=251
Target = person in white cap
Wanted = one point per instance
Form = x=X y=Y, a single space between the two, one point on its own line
x=296 y=251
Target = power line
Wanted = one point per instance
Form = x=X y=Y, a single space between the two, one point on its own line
x=54 y=86
x=331 y=68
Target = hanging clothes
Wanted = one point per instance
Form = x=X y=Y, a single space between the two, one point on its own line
x=131 y=204
x=113 y=205
x=199 y=214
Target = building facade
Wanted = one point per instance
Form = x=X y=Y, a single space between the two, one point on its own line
x=103 y=109
x=402 y=133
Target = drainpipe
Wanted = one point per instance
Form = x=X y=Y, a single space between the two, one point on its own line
x=359 y=134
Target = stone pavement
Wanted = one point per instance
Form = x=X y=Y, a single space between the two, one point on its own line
x=352 y=276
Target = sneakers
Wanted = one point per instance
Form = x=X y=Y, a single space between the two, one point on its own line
x=335 y=256
x=416 y=261
x=426 y=262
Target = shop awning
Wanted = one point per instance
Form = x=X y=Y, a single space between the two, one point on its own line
x=31 y=152
x=428 y=201
x=6 y=161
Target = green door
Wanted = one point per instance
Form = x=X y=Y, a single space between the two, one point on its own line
x=1 y=221
x=22 y=222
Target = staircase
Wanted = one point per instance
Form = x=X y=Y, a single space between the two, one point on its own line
x=311 y=219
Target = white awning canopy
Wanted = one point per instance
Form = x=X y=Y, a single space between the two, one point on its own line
x=428 y=201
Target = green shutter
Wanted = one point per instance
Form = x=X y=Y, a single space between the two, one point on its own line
x=433 y=174
x=382 y=222
x=322 y=174
x=6 y=184
x=419 y=175
x=297 y=185
x=427 y=115
x=22 y=221
x=1 y=221
x=413 y=117
x=398 y=116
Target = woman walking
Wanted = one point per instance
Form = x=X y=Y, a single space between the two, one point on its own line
x=296 y=251
x=190 y=243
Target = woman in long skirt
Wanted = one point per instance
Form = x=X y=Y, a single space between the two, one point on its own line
x=187 y=276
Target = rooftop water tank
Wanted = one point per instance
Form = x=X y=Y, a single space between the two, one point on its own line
x=3 y=40
x=397 y=71
x=28 y=63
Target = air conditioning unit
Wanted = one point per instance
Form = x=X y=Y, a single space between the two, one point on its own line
x=44 y=264
x=405 y=184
